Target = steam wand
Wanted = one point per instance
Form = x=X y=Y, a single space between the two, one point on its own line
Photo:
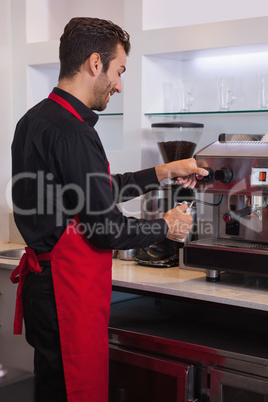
x=257 y=203
x=255 y=206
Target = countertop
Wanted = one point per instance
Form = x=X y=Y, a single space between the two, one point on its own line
x=233 y=289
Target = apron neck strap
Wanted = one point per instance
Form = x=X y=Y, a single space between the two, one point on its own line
x=65 y=104
x=69 y=107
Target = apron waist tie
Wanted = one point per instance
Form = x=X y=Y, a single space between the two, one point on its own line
x=28 y=263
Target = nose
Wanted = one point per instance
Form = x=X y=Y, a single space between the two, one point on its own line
x=118 y=87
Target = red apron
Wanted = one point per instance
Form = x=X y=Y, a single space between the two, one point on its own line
x=82 y=284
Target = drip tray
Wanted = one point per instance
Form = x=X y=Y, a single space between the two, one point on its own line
x=227 y=255
x=229 y=243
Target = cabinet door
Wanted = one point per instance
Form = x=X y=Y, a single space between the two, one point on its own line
x=141 y=378
x=228 y=386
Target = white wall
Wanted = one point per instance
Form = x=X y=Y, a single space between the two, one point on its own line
x=5 y=113
x=173 y=13
x=47 y=18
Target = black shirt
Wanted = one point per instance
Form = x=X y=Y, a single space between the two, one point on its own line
x=60 y=169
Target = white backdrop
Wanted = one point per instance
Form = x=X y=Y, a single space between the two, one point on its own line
x=170 y=13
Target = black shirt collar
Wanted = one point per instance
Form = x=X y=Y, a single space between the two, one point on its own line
x=87 y=114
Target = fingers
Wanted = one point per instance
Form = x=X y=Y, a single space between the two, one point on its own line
x=202 y=172
x=181 y=207
x=183 y=168
x=188 y=181
x=179 y=222
x=180 y=229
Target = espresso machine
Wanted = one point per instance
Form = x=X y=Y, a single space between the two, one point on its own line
x=175 y=141
x=237 y=189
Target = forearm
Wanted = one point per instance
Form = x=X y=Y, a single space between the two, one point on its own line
x=113 y=230
x=163 y=172
x=174 y=169
x=185 y=170
x=131 y=185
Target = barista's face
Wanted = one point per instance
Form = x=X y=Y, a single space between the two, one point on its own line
x=110 y=82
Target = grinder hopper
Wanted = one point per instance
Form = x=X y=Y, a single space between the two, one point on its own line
x=177 y=140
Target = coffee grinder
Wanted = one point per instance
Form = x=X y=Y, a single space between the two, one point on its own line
x=175 y=141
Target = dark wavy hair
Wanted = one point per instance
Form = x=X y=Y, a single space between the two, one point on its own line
x=84 y=36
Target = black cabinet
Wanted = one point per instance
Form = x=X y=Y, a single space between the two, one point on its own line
x=231 y=386
x=17 y=386
x=172 y=350
x=140 y=377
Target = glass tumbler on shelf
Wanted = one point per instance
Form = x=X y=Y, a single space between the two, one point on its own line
x=185 y=93
x=262 y=79
x=226 y=96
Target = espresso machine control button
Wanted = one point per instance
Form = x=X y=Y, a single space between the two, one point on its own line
x=227 y=217
x=234 y=215
x=224 y=175
x=207 y=178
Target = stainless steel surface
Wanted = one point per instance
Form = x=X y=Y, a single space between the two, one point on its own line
x=242 y=137
x=212 y=275
x=13 y=254
x=154 y=205
x=238 y=183
x=157 y=202
x=128 y=254
x=192 y=211
x=241 y=157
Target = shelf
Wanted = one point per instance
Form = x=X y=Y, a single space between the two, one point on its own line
x=206 y=112
x=110 y=114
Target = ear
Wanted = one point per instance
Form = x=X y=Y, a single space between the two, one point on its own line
x=94 y=64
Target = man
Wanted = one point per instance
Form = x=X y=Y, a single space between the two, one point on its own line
x=65 y=208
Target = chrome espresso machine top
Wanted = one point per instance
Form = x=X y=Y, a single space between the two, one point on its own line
x=238 y=185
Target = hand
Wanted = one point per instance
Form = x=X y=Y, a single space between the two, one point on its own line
x=185 y=170
x=179 y=222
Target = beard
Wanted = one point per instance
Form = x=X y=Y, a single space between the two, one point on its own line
x=101 y=91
